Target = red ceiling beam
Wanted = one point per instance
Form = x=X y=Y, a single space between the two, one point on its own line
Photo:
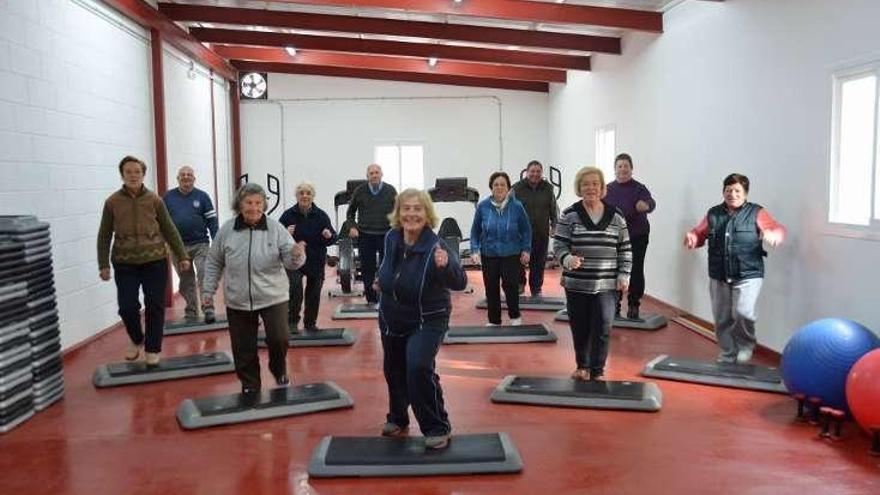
x=386 y=75
x=391 y=27
x=515 y=10
x=396 y=64
x=144 y=14
x=424 y=50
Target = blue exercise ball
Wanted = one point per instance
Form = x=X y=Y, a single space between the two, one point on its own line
x=818 y=358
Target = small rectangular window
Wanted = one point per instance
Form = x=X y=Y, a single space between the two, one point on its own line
x=403 y=165
x=606 y=150
x=854 y=181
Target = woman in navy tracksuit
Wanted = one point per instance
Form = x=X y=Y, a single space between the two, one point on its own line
x=414 y=280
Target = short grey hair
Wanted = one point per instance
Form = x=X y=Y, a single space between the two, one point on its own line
x=305 y=185
x=249 y=189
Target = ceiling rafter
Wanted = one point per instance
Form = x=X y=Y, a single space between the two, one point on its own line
x=514 y=10
x=391 y=27
x=423 y=50
x=396 y=64
x=387 y=75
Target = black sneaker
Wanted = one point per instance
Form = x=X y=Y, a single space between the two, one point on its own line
x=282 y=381
x=209 y=316
x=311 y=328
x=250 y=396
x=632 y=313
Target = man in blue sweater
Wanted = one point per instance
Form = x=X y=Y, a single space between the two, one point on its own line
x=194 y=216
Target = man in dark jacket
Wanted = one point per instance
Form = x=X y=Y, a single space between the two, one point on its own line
x=309 y=224
x=536 y=195
x=371 y=203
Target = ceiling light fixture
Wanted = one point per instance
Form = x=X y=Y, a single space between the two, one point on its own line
x=432 y=62
x=290 y=50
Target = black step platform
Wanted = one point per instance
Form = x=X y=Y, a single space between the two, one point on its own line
x=543 y=303
x=172 y=368
x=278 y=402
x=650 y=321
x=355 y=311
x=567 y=392
x=316 y=338
x=745 y=376
x=381 y=456
x=502 y=334
x=179 y=327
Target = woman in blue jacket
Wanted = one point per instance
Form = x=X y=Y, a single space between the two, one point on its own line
x=310 y=225
x=414 y=280
x=501 y=238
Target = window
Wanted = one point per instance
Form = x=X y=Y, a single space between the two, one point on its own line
x=606 y=150
x=403 y=165
x=855 y=178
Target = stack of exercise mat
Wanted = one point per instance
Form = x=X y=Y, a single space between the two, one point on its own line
x=30 y=346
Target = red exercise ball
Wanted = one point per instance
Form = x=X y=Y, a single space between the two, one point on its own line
x=863 y=391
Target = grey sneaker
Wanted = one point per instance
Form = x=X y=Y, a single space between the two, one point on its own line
x=725 y=359
x=390 y=429
x=437 y=442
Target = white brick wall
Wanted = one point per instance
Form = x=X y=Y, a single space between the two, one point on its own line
x=74 y=98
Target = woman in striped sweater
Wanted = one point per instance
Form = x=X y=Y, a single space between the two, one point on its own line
x=592 y=243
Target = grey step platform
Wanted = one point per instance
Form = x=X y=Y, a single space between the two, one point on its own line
x=650 y=321
x=179 y=327
x=275 y=403
x=745 y=376
x=544 y=303
x=503 y=334
x=380 y=456
x=172 y=368
x=567 y=392
x=352 y=311
x=317 y=338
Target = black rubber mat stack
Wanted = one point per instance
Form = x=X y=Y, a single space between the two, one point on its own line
x=30 y=346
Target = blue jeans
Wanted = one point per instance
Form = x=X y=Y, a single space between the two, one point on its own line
x=369 y=245
x=409 y=372
x=590 y=317
x=153 y=277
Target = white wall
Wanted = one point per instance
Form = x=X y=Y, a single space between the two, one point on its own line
x=188 y=119
x=74 y=99
x=743 y=85
x=323 y=129
x=223 y=143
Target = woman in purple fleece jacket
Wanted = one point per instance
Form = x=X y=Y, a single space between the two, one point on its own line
x=634 y=201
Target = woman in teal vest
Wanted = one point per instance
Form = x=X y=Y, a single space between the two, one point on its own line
x=735 y=230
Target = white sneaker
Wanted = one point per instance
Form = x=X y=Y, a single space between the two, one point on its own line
x=744 y=356
x=515 y=322
x=490 y=324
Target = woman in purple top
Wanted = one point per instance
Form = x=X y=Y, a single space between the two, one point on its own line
x=634 y=201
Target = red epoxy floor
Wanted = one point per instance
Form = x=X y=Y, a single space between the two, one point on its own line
x=705 y=439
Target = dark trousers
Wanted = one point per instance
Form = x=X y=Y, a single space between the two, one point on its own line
x=243 y=334
x=409 y=365
x=637 y=277
x=503 y=271
x=153 y=277
x=310 y=292
x=369 y=245
x=590 y=317
x=537 y=260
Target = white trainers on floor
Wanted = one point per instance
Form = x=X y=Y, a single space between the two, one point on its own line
x=515 y=322
x=490 y=324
